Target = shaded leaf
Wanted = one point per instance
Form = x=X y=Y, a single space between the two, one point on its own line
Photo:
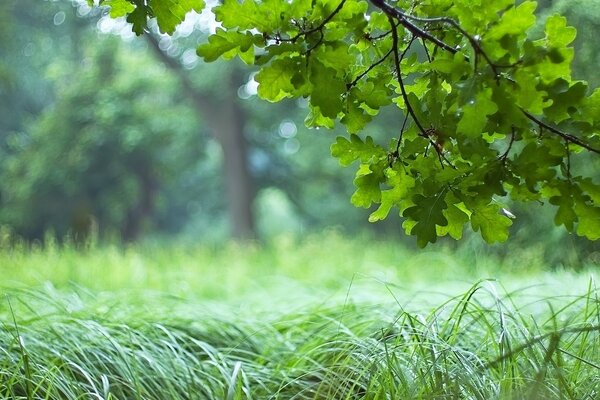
x=170 y=13
x=428 y=212
x=223 y=42
x=400 y=189
x=492 y=224
x=348 y=151
x=476 y=112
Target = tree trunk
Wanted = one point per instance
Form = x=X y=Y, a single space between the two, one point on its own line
x=226 y=120
x=228 y=125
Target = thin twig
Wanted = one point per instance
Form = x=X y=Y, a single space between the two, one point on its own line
x=414 y=29
x=359 y=77
x=406 y=18
x=473 y=40
x=401 y=133
x=320 y=26
x=568 y=151
x=397 y=60
x=374 y=38
x=566 y=136
x=504 y=156
x=426 y=50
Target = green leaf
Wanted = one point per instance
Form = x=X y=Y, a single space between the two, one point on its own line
x=529 y=97
x=327 y=89
x=139 y=19
x=591 y=189
x=355 y=118
x=536 y=162
x=454 y=66
x=367 y=184
x=266 y=16
x=374 y=95
x=488 y=220
x=235 y=14
x=476 y=112
x=565 y=215
x=348 y=151
x=590 y=107
x=558 y=34
x=516 y=21
x=170 y=13
x=315 y=119
x=225 y=43
x=564 y=99
x=589 y=220
x=275 y=80
x=428 y=212
x=335 y=55
x=118 y=8
x=457 y=218
x=400 y=185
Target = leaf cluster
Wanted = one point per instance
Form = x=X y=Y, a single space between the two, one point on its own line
x=487 y=111
x=168 y=13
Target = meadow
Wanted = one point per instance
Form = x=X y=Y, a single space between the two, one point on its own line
x=324 y=317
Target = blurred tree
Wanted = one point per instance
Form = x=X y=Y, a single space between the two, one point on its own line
x=220 y=107
x=101 y=152
x=69 y=164
x=257 y=152
x=31 y=32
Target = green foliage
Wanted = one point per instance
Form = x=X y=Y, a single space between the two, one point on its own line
x=227 y=44
x=168 y=13
x=488 y=110
x=585 y=16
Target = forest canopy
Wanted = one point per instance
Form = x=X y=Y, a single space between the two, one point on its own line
x=488 y=110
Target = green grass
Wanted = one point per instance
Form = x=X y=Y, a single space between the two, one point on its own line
x=326 y=318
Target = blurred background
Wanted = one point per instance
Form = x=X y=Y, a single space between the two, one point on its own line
x=112 y=137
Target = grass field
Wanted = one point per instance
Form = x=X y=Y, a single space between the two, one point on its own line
x=324 y=318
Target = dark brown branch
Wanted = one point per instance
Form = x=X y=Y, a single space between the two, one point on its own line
x=568 y=151
x=566 y=136
x=473 y=41
x=397 y=60
x=395 y=155
x=429 y=59
x=394 y=13
x=405 y=19
x=304 y=33
x=401 y=133
x=373 y=38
